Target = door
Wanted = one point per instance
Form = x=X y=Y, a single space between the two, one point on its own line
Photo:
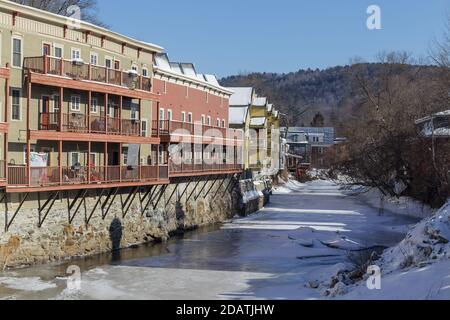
x=46 y=49
x=116 y=65
x=45 y=113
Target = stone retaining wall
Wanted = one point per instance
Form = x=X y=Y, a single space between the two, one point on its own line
x=27 y=244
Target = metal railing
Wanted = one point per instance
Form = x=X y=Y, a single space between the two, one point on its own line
x=81 y=123
x=80 y=70
x=84 y=175
x=169 y=127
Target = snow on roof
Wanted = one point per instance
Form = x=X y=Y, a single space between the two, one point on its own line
x=260 y=121
x=269 y=107
x=162 y=61
x=237 y=115
x=188 y=69
x=241 y=97
x=260 y=102
x=439 y=114
x=211 y=79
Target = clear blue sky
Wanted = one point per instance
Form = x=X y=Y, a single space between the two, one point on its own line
x=233 y=36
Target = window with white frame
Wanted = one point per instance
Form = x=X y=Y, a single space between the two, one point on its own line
x=190 y=117
x=161 y=114
x=144 y=127
x=94 y=58
x=94 y=105
x=203 y=119
x=56 y=103
x=169 y=115
x=17 y=51
x=183 y=116
x=108 y=62
x=218 y=122
x=134 y=114
x=208 y=120
x=75 y=103
x=224 y=123
x=76 y=54
x=145 y=71
x=16 y=109
x=58 y=51
x=74 y=158
x=134 y=67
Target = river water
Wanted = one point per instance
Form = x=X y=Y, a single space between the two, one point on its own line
x=270 y=255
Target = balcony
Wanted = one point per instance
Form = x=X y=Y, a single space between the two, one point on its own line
x=2 y=172
x=171 y=129
x=118 y=82
x=55 y=178
x=202 y=168
x=81 y=123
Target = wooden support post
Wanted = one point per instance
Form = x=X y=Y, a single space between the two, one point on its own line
x=28 y=131
x=120 y=113
x=61 y=107
x=88 y=118
x=89 y=162
x=6 y=144
x=157 y=119
x=105 y=156
x=106 y=112
x=60 y=147
x=120 y=161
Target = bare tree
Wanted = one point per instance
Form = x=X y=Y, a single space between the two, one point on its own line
x=88 y=8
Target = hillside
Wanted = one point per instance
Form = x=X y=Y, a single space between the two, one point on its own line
x=330 y=91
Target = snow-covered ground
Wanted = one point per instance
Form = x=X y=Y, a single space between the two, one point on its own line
x=289 y=250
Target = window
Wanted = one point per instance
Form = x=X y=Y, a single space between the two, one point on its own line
x=203 y=119
x=16 y=113
x=183 y=116
x=92 y=159
x=17 y=52
x=108 y=63
x=75 y=158
x=190 y=117
x=223 y=123
x=94 y=58
x=76 y=54
x=134 y=67
x=133 y=115
x=169 y=115
x=75 y=102
x=161 y=114
x=218 y=122
x=55 y=103
x=58 y=51
x=208 y=121
x=144 y=128
x=32 y=149
x=94 y=105
x=46 y=49
x=145 y=72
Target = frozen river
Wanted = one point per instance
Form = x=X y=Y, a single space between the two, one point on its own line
x=306 y=229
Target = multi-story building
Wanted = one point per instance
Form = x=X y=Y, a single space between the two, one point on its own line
x=89 y=108
x=194 y=120
x=260 y=121
x=311 y=144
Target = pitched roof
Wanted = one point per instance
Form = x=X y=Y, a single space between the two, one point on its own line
x=242 y=96
x=260 y=102
x=237 y=115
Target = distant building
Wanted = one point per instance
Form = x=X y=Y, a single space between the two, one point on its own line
x=436 y=125
x=311 y=144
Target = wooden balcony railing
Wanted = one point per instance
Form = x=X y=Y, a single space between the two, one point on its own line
x=81 y=123
x=167 y=127
x=2 y=170
x=193 y=168
x=78 y=70
x=50 y=176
